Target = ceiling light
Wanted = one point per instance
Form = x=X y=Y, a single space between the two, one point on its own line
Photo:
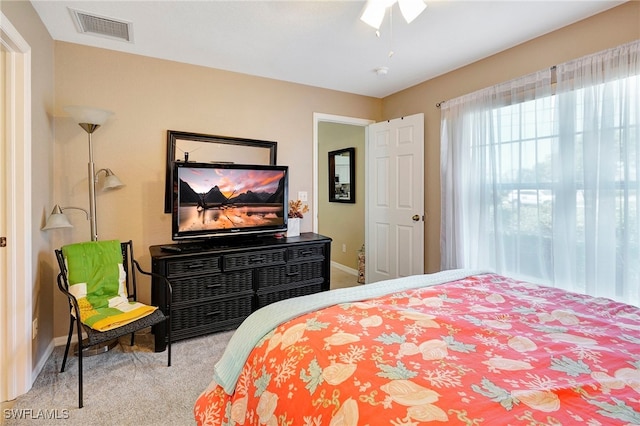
x=381 y=71
x=375 y=10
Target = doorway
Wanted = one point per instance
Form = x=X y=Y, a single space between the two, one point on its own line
x=394 y=240
x=343 y=222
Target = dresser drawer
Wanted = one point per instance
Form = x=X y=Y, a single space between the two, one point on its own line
x=234 y=262
x=211 y=312
x=198 y=265
x=266 y=298
x=290 y=273
x=198 y=287
x=305 y=252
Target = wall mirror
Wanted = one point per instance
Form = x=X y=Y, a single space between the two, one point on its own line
x=200 y=148
x=342 y=176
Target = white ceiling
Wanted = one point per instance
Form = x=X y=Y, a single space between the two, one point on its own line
x=321 y=43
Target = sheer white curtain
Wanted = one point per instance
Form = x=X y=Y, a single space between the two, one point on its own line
x=481 y=154
x=545 y=186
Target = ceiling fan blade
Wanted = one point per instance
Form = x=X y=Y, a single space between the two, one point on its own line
x=410 y=9
x=373 y=13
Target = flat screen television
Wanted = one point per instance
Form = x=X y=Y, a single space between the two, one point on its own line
x=213 y=200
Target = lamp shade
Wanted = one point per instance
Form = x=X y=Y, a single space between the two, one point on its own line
x=57 y=219
x=111 y=181
x=88 y=115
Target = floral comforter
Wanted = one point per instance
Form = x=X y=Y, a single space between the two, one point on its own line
x=483 y=350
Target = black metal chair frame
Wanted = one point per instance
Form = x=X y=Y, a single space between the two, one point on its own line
x=95 y=337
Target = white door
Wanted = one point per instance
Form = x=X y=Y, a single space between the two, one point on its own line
x=16 y=299
x=3 y=169
x=395 y=199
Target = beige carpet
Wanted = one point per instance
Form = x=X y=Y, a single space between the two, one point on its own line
x=126 y=386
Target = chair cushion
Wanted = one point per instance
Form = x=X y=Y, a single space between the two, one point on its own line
x=97 y=280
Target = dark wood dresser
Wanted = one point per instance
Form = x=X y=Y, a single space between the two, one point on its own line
x=216 y=286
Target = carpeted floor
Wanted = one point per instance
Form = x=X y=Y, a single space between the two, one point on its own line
x=128 y=385
x=125 y=386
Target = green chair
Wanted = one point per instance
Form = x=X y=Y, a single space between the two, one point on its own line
x=99 y=280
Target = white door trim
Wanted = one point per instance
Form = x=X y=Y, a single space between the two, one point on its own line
x=330 y=118
x=16 y=299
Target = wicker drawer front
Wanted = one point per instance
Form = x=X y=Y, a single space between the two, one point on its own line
x=198 y=287
x=291 y=273
x=295 y=291
x=200 y=265
x=234 y=262
x=208 y=313
x=305 y=252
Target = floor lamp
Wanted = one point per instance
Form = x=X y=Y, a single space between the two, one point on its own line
x=90 y=119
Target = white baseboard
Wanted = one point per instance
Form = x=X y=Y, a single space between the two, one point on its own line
x=62 y=340
x=344 y=268
x=42 y=361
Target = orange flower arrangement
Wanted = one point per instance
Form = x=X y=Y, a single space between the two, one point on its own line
x=297 y=209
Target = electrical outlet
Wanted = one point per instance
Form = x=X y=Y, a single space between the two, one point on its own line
x=344 y=248
x=34 y=328
x=302 y=196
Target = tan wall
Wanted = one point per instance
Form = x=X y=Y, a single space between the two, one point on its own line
x=608 y=29
x=150 y=96
x=26 y=21
x=343 y=222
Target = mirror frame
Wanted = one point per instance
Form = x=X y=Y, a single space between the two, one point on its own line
x=173 y=136
x=352 y=175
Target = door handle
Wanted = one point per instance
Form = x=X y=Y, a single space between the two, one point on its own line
x=415 y=217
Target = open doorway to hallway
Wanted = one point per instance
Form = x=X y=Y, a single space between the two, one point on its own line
x=343 y=222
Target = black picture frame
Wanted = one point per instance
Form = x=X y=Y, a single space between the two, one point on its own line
x=203 y=148
x=342 y=176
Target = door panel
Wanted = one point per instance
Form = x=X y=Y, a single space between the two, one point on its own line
x=381 y=265
x=381 y=190
x=395 y=176
x=405 y=186
x=405 y=252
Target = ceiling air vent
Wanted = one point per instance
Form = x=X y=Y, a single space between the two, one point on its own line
x=103 y=26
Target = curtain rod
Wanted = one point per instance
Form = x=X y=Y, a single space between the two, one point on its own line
x=553 y=80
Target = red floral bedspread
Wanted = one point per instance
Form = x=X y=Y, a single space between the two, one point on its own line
x=485 y=350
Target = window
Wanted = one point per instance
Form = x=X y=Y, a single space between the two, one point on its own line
x=544 y=186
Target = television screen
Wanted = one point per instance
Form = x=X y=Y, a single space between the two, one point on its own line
x=214 y=199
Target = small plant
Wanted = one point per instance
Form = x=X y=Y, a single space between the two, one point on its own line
x=297 y=209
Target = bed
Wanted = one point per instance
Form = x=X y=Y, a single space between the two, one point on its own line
x=456 y=347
